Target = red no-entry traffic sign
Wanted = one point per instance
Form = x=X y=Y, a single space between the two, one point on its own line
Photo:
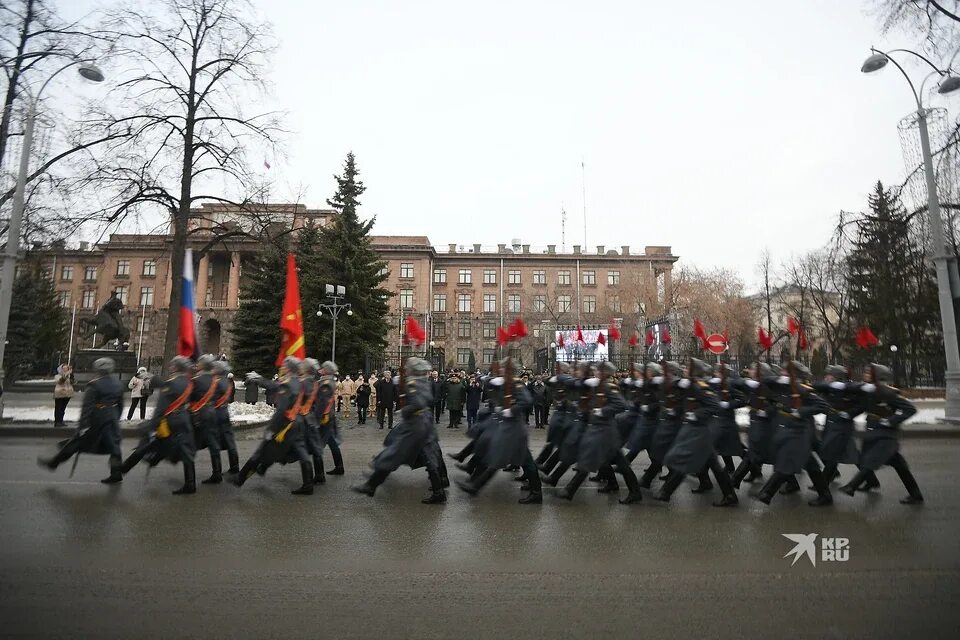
x=716 y=343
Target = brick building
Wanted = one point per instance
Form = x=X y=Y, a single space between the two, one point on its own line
x=460 y=293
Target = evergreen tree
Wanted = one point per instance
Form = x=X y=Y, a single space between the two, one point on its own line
x=38 y=324
x=256 y=325
x=344 y=256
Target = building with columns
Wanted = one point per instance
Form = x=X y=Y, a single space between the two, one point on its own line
x=460 y=293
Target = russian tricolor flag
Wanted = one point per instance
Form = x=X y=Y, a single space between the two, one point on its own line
x=187 y=343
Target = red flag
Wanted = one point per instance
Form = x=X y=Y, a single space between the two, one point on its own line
x=765 y=339
x=634 y=340
x=580 y=335
x=865 y=338
x=700 y=332
x=560 y=342
x=601 y=339
x=613 y=331
x=792 y=326
x=650 y=337
x=414 y=334
x=802 y=341
x=291 y=318
x=187 y=344
x=502 y=336
x=665 y=336
x=517 y=329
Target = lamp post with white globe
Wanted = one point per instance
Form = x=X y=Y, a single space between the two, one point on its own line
x=335 y=293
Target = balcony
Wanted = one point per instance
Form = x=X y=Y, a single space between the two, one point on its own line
x=215 y=303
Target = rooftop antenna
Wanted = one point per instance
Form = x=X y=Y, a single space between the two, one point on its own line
x=563 y=228
x=583 y=181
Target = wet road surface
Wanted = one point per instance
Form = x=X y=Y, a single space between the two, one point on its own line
x=79 y=559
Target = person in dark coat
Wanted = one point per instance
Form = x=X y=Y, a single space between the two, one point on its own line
x=203 y=416
x=436 y=395
x=363 y=399
x=648 y=410
x=600 y=444
x=569 y=444
x=98 y=429
x=324 y=412
x=559 y=421
x=474 y=395
x=671 y=420
x=251 y=393
x=886 y=410
x=837 y=444
x=797 y=404
x=723 y=426
x=168 y=434
x=284 y=437
x=221 y=407
x=692 y=450
x=763 y=413
x=409 y=443
x=541 y=403
x=456 y=396
x=386 y=399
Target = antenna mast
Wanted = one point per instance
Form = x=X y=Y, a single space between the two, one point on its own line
x=583 y=179
x=563 y=228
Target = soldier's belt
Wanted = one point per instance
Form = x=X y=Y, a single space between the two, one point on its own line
x=105 y=405
x=163 y=429
x=282 y=435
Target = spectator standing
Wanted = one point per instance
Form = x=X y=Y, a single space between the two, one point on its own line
x=456 y=395
x=349 y=388
x=62 y=392
x=386 y=398
x=474 y=396
x=138 y=386
x=363 y=400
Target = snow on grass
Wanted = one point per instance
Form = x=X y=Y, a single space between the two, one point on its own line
x=922 y=416
x=240 y=413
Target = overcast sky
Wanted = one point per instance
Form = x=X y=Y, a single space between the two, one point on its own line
x=717 y=128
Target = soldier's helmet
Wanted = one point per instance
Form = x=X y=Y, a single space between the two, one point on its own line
x=220 y=367
x=291 y=364
x=180 y=364
x=654 y=369
x=583 y=368
x=309 y=366
x=205 y=361
x=417 y=367
x=764 y=370
x=839 y=372
x=329 y=367
x=881 y=373
x=673 y=367
x=776 y=370
x=564 y=367
x=699 y=368
x=606 y=369
x=636 y=367
x=104 y=366
x=801 y=370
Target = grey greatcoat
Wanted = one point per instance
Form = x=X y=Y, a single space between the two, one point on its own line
x=508 y=444
x=693 y=446
x=600 y=442
x=287 y=396
x=172 y=401
x=98 y=430
x=723 y=425
x=562 y=416
x=221 y=409
x=648 y=415
x=793 y=438
x=886 y=410
x=671 y=419
x=837 y=445
x=409 y=440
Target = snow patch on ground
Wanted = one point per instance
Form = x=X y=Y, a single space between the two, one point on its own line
x=240 y=413
x=922 y=416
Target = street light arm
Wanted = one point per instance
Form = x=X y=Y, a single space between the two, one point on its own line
x=886 y=55
x=940 y=71
x=36 y=98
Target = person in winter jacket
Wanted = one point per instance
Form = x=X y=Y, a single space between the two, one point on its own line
x=62 y=392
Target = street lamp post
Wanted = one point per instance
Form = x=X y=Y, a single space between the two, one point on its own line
x=942 y=260
x=335 y=293
x=91 y=73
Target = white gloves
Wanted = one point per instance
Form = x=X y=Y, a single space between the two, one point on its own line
x=839 y=386
x=795 y=413
x=761 y=414
x=714 y=380
x=690 y=416
x=684 y=383
x=644 y=407
x=869 y=387
x=783 y=380
x=552 y=380
x=253 y=375
x=724 y=404
x=753 y=384
x=884 y=423
x=396 y=379
x=844 y=415
x=598 y=412
x=497 y=382
x=591 y=382
x=657 y=380
x=506 y=413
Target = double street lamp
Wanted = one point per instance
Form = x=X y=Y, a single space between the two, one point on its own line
x=945 y=264
x=335 y=293
x=89 y=72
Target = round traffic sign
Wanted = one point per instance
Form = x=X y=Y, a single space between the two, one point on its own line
x=716 y=343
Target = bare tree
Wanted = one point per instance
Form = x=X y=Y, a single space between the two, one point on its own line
x=765 y=271
x=191 y=66
x=829 y=297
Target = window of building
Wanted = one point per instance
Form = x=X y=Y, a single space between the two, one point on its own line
x=465 y=276
x=66 y=273
x=440 y=302
x=515 y=354
x=540 y=277
x=210 y=268
x=440 y=330
x=90 y=274
x=489 y=330
x=383 y=272
x=563 y=304
x=123 y=294
x=463 y=329
x=614 y=303
x=613 y=278
x=123 y=267
x=463 y=356
x=563 y=277
x=406 y=298
x=589 y=304
x=146 y=296
x=489 y=303
x=513 y=276
x=489 y=276
x=440 y=276
x=540 y=303
x=513 y=303
x=406 y=269
x=89 y=298
x=149 y=267
x=590 y=277
x=463 y=302
x=64 y=298
x=489 y=355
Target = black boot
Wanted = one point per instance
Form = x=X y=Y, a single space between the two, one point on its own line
x=705 y=484
x=534 y=497
x=649 y=474
x=437 y=495
x=756 y=473
x=570 y=490
x=477 y=482
x=771 y=487
x=790 y=486
x=47 y=463
x=369 y=487
x=674 y=478
x=217 y=476
x=319 y=477
x=554 y=478
x=729 y=498
x=306 y=474
x=234 y=460
x=821 y=486
x=548 y=465
x=851 y=487
x=336 y=471
x=248 y=469
x=189 y=480
x=909 y=482
x=630 y=478
x=609 y=481
x=728 y=465
x=115 y=475
x=544 y=454
x=739 y=473
x=870 y=481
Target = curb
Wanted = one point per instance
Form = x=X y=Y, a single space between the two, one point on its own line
x=14 y=430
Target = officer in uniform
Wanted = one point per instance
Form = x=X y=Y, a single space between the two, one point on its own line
x=837 y=445
x=569 y=446
x=886 y=410
x=203 y=416
x=647 y=399
x=168 y=434
x=559 y=421
x=329 y=425
x=726 y=432
x=762 y=416
x=797 y=404
x=409 y=441
x=312 y=394
x=98 y=430
x=600 y=444
x=221 y=408
x=671 y=420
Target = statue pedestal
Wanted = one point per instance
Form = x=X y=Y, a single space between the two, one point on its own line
x=125 y=364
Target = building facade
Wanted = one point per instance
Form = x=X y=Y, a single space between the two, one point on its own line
x=461 y=294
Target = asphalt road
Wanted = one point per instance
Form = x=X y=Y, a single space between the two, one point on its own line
x=79 y=559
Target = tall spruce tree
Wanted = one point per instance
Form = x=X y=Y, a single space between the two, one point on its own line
x=38 y=324
x=343 y=255
x=256 y=326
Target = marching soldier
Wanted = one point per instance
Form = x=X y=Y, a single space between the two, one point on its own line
x=762 y=416
x=726 y=432
x=309 y=415
x=837 y=445
x=409 y=441
x=559 y=420
x=600 y=444
x=98 y=430
x=221 y=408
x=793 y=441
x=168 y=434
x=329 y=424
x=569 y=446
x=203 y=416
x=648 y=410
x=671 y=420
x=886 y=410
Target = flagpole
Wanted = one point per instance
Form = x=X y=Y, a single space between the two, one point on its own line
x=73 y=321
x=140 y=337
